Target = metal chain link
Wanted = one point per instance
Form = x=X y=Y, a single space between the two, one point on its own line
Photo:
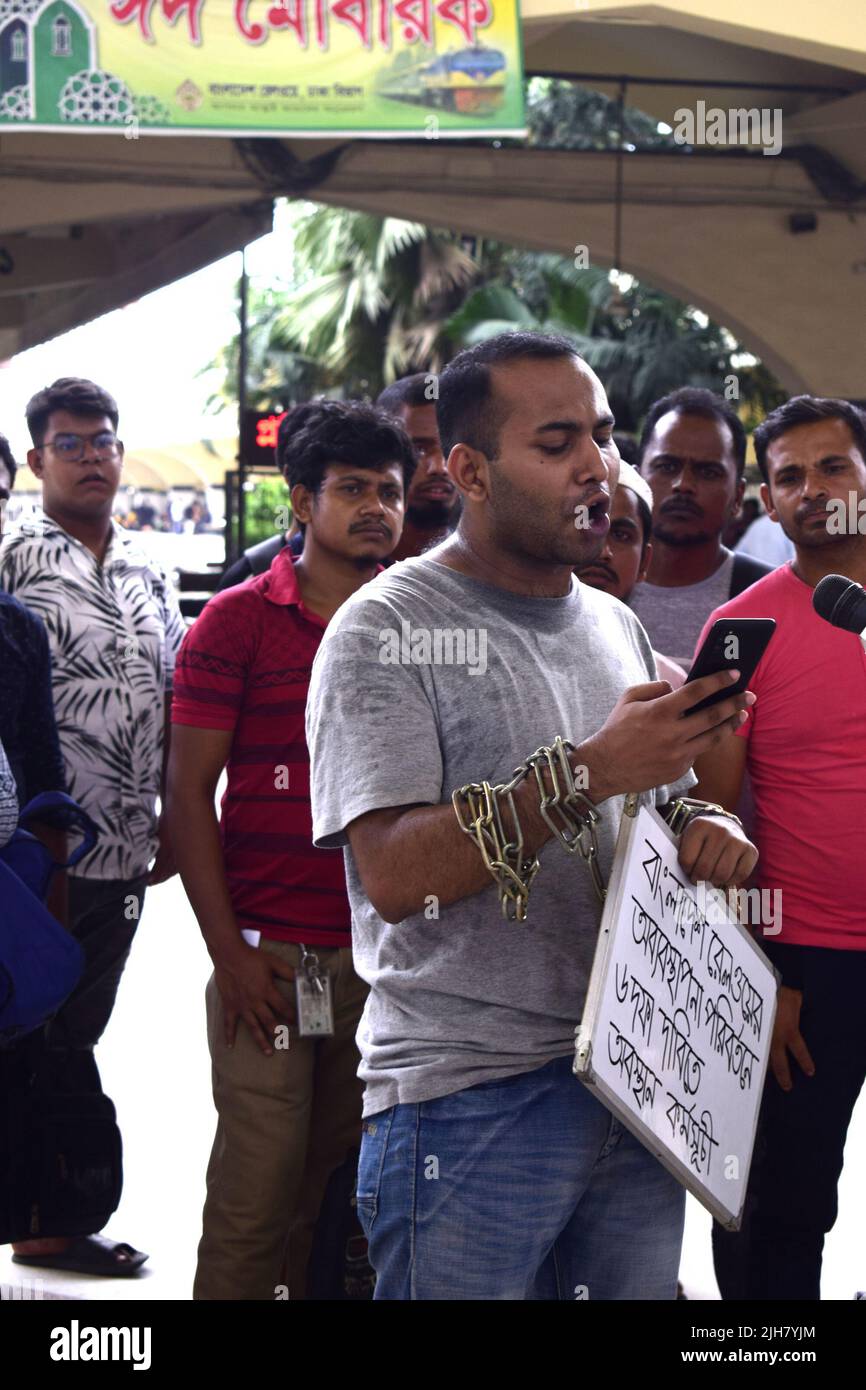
x=684 y=810
x=570 y=815
x=502 y=856
x=577 y=816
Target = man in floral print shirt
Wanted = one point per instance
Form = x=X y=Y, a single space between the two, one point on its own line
x=8 y=800
x=114 y=630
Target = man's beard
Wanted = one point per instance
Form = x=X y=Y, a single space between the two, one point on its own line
x=427 y=515
x=520 y=530
x=812 y=539
x=681 y=539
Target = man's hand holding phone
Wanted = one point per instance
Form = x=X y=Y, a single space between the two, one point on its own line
x=647 y=741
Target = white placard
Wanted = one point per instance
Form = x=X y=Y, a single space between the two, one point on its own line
x=675 y=1037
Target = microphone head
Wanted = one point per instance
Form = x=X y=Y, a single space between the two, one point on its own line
x=838 y=600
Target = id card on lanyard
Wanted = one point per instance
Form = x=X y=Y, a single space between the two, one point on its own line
x=313 y=995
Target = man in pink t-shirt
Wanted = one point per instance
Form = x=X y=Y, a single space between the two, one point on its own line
x=804 y=747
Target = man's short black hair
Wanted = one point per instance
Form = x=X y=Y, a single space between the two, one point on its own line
x=627 y=448
x=74 y=394
x=319 y=433
x=807 y=410
x=407 y=391
x=696 y=400
x=466 y=411
x=8 y=459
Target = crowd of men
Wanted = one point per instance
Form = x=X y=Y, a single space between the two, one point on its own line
x=375 y=999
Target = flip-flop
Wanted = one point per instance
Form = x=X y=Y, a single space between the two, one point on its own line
x=91 y=1255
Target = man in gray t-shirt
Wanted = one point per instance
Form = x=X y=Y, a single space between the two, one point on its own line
x=481 y=1152
x=540 y=667
x=692 y=454
x=674 y=615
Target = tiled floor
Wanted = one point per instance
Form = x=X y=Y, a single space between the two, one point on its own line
x=155 y=1066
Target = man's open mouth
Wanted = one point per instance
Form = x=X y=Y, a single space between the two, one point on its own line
x=595 y=509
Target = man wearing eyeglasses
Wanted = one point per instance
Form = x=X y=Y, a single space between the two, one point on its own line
x=114 y=629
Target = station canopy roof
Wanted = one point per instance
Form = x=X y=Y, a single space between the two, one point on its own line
x=772 y=246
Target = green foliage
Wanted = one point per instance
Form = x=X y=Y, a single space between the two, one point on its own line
x=564 y=115
x=267 y=507
x=366 y=303
x=371 y=298
x=641 y=342
x=277 y=375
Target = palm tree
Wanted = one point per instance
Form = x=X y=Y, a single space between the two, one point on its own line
x=374 y=294
x=278 y=375
x=536 y=292
x=368 y=301
x=641 y=342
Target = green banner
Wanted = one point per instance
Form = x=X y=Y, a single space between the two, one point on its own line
x=246 y=67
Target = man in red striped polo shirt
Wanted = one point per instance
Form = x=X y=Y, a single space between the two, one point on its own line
x=270 y=905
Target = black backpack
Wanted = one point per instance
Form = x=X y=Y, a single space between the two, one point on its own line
x=746 y=572
x=260 y=556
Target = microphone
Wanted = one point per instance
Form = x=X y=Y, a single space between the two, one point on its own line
x=840 y=601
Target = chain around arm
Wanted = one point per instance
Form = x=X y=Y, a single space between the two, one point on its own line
x=568 y=813
x=685 y=809
x=479 y=815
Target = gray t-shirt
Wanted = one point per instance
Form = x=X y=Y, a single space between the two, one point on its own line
x=675 y=615
x=464 y=996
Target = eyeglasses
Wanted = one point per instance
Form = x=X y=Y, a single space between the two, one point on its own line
x=70 y=447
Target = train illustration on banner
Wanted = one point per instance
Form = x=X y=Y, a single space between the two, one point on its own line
x=470 y=81
x=276 y=67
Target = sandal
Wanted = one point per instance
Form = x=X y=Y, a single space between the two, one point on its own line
x=90 y=1255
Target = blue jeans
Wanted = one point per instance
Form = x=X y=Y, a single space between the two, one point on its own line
x=526 y=1188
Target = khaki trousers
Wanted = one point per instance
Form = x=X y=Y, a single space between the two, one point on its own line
x=285 y=1123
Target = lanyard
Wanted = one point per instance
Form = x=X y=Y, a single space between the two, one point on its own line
x=311 y=968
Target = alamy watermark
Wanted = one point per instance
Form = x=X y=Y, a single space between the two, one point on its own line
x=846 y=518
x=737 y=126
x=434 y=646
x=77 y=1343
x=751 y=907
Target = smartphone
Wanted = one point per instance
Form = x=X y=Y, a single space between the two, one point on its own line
x=732 y=644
